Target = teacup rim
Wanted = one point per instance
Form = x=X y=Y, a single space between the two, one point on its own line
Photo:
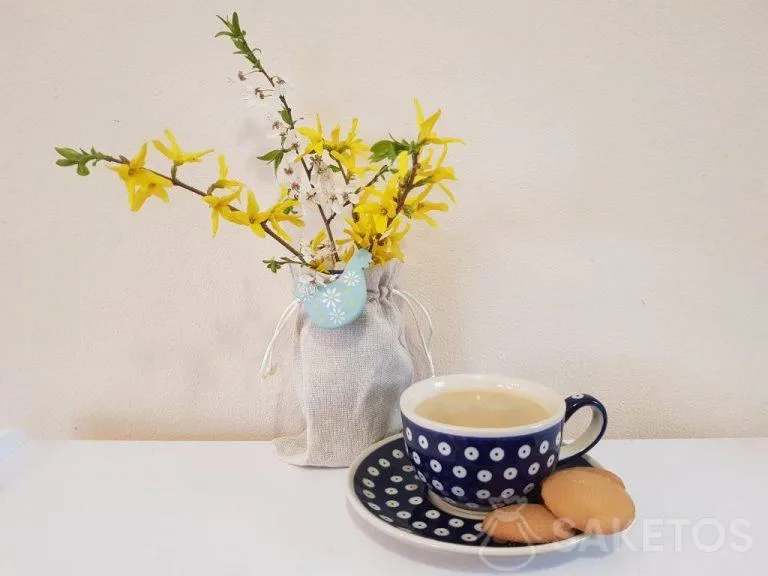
x=412 y=395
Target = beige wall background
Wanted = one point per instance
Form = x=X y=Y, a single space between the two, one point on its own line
x=611 y=236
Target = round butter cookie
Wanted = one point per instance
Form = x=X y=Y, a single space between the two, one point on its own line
x=592 y=503
x=525 y=524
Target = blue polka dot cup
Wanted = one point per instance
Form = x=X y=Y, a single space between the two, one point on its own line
x=478 y=469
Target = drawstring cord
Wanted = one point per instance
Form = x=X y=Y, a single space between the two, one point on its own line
x=268 y=368
x=410 y=300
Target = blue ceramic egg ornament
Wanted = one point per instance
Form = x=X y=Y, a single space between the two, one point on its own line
x=340 y=302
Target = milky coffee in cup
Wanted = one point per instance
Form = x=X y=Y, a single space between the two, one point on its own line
x=482 y=408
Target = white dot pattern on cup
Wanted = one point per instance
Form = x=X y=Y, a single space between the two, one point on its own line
x=386 y=518
x=419 y=525
x=459 y=471
x=577 y=396
x=510 y=473
x=432 y=514
x=392 y=503
x=550 y=460
x=369 y=483
x=373 y=471
x=467 y=472
x=529 y=488
x=408 y=434
x=369 y=494
x=374 y=506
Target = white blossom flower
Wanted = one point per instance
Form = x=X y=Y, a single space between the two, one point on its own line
x=251 y=94
x=291 y=141
x=313 y=278
x=351 y=193
x=335 y=202
x=281 y=86
x=305 y=248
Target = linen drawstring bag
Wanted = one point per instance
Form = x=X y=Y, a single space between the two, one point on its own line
x=348 y=380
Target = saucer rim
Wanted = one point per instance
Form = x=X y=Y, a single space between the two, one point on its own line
x=425 y=543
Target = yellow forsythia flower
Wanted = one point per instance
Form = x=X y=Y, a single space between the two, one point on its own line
x=220 y=207
x=426 y=134
x=150 y=184
x=223 y=181
x=251 y=216
x=175 y=153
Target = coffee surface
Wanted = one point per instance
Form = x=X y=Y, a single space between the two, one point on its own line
x=482 y=408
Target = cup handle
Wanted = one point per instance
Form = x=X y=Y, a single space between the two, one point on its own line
x=594 y=431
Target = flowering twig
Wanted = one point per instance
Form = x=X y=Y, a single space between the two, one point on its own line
x=237 y=35
x=370 y=182
x=176 y=182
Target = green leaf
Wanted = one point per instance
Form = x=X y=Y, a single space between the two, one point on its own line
x=273 y=265
x=286 y=116
x=273 y=157
x=382 y=150
x=270 y=156
x=69 y=153
x=65 y=162
x=236 y=22
x=334 y=168
x=278 y=160
x=82 y=170
x=223 y=33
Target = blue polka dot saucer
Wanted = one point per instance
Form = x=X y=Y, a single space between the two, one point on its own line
x=386 y=492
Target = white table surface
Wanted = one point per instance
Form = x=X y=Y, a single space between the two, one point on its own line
x=234 y=509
